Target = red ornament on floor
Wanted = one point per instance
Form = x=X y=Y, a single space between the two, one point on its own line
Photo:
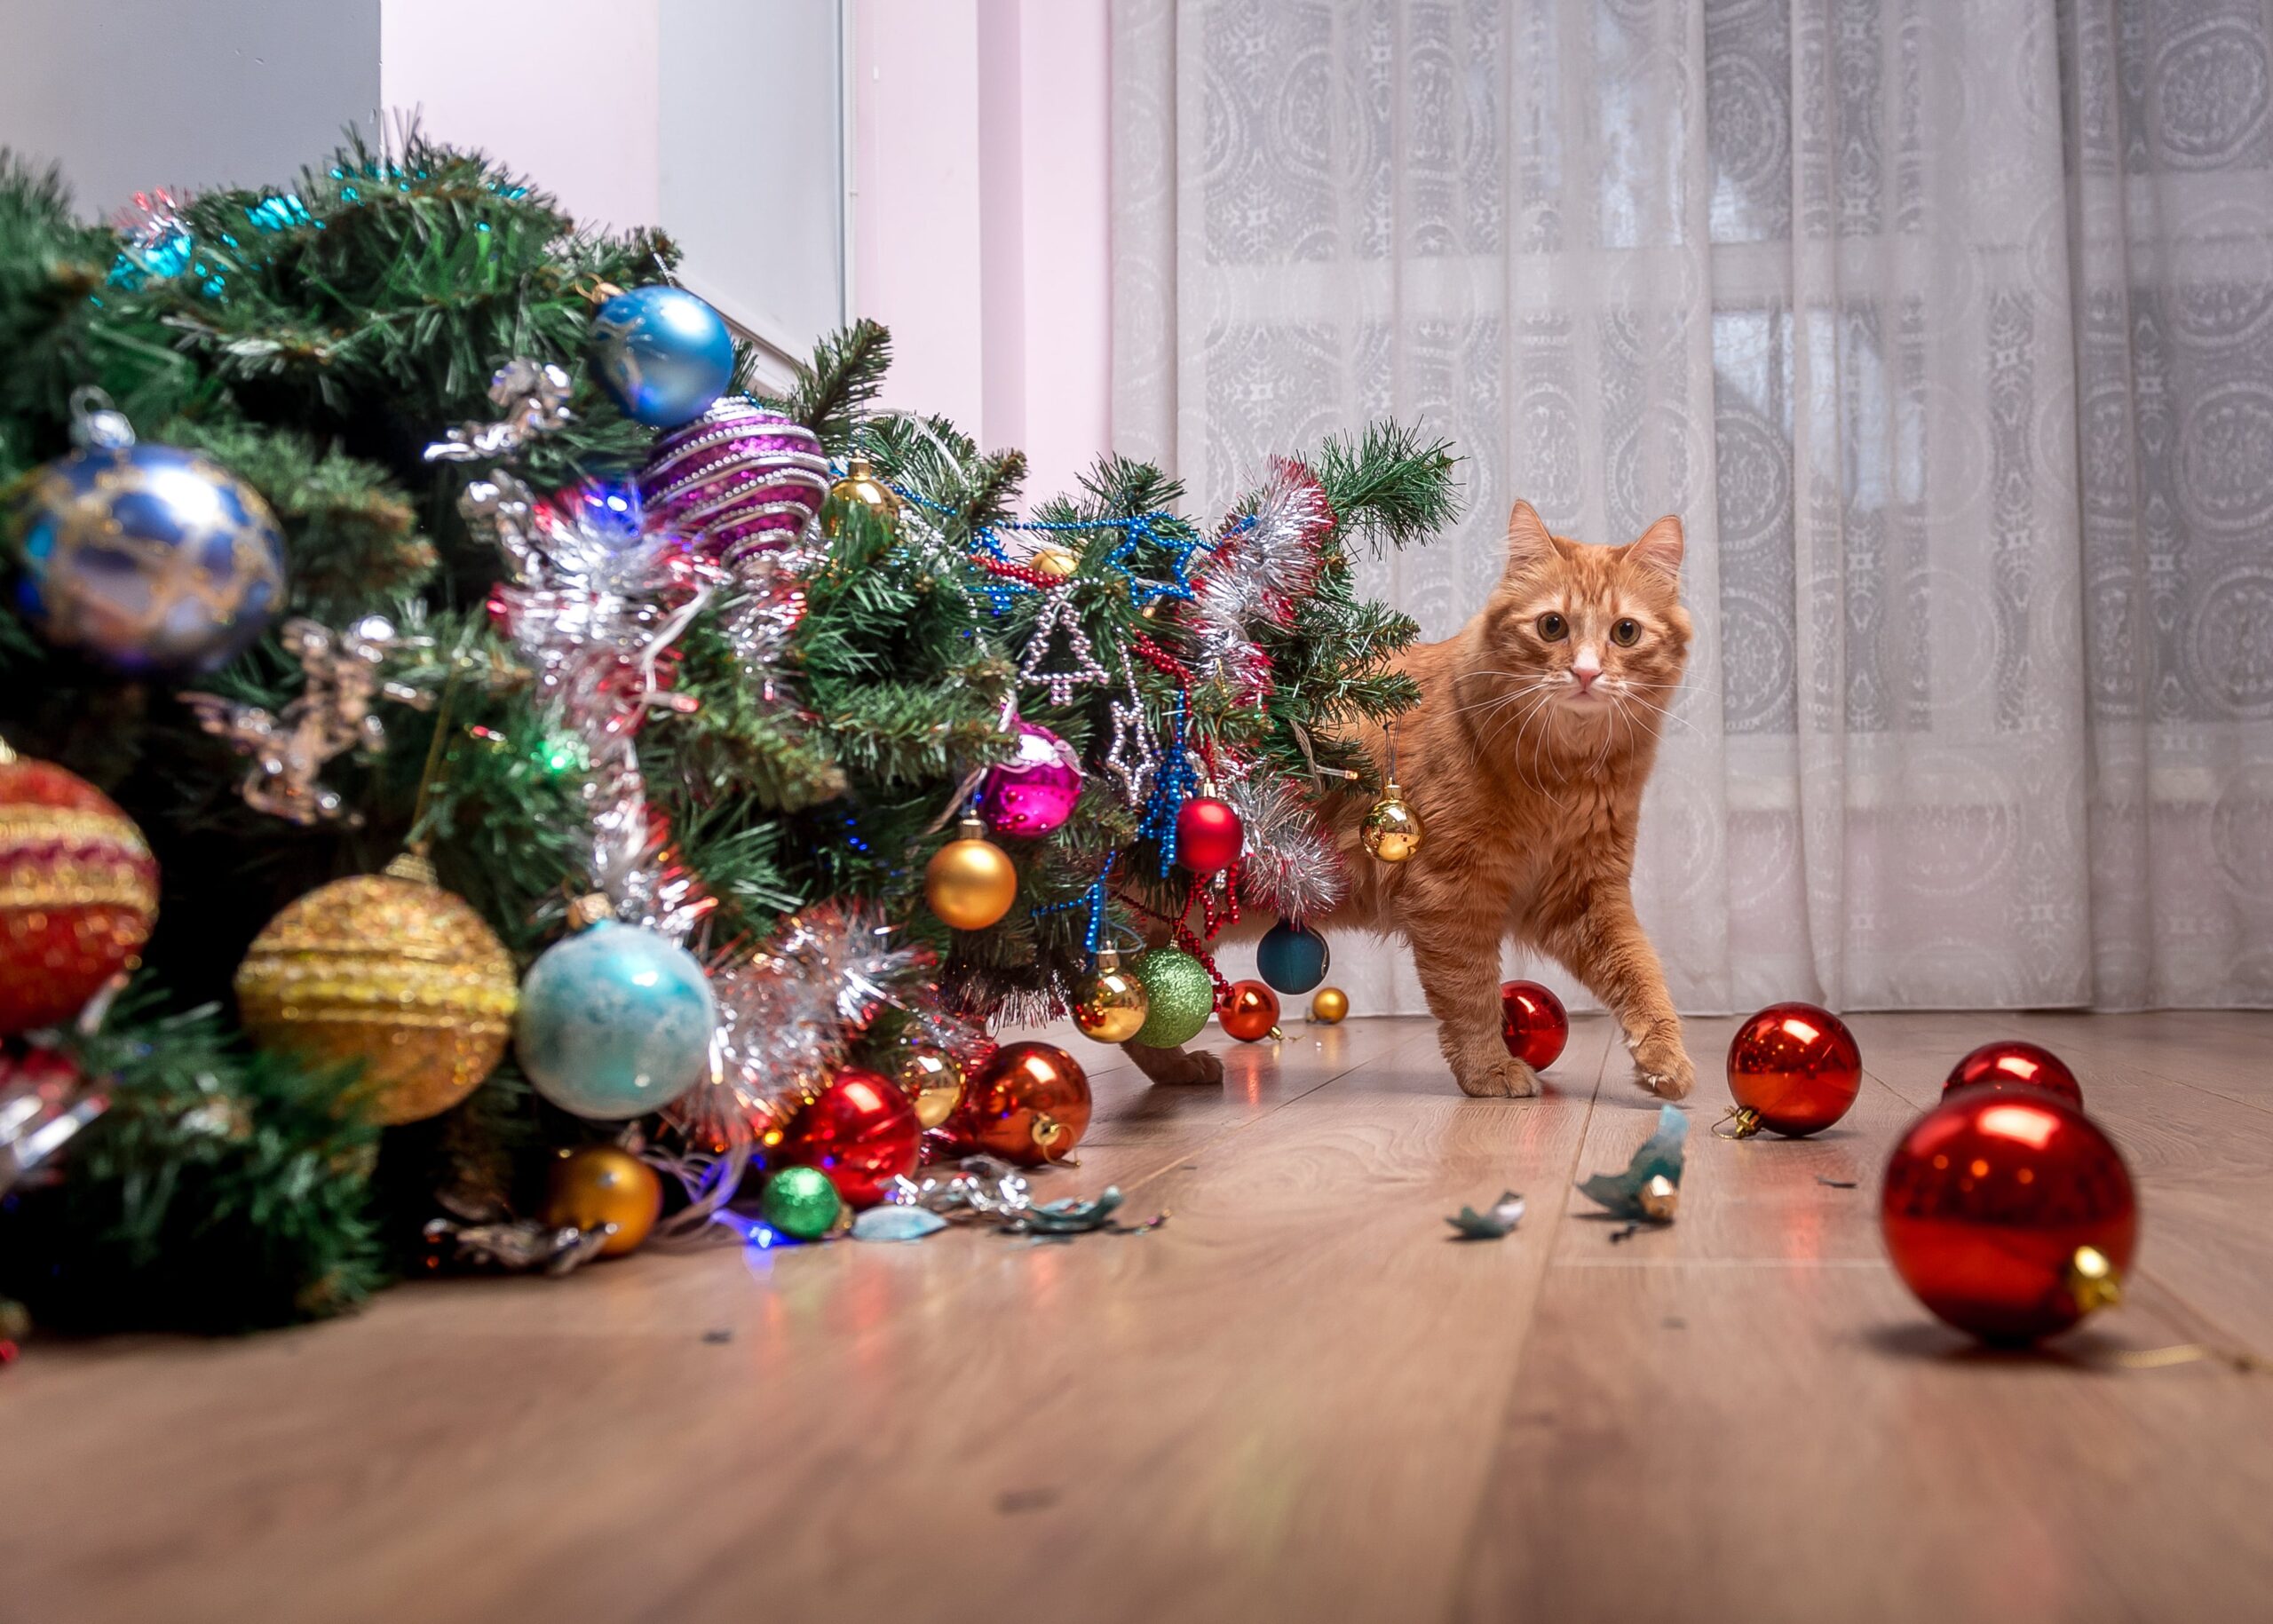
x=2010 y=1064
x=1028 y=1103
x=1207 y=835
x=2009 y=1214
x=1794 y=1069
x=1533 y=1022
x=1247 y=1010
x=861 y=1131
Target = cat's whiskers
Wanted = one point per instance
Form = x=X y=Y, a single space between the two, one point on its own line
x=1523 y=763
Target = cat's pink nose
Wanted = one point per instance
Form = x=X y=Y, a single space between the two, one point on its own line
x=1586 y=668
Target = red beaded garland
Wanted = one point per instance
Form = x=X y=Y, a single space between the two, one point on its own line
x=1533 y=1022
x=1795 y=1068
x=2008 y=1213
x=861 y=1131
x=2011 y=1064
x=78 y=892
x=1207 y=835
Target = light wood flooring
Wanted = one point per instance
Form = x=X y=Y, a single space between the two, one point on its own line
x=1298 y=1401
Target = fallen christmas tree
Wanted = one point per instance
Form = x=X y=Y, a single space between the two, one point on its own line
x=456 y=719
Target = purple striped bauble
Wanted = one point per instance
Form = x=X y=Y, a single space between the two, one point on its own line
x=740 y=479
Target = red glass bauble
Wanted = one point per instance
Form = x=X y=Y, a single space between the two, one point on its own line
x=1533 y=1022
x=1794 y=1069
x=861 y=1130
x=2009 y=1214
x=1247 y=1010
x=78 y=892
x=1207 y=835
x=2010 y=1064
x=1028 y=1103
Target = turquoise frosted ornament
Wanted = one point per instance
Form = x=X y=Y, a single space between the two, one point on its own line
x=1292 y=958
x=662 y=355
x=614 y=1021
x=1179 y=998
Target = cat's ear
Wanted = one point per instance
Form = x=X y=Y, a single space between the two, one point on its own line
x=1658 y=548
x=1529 y=544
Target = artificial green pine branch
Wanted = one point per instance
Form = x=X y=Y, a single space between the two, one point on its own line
x=846 y=375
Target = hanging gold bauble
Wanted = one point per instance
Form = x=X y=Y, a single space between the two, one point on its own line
x=932 y=1078
x=860 y=487
x=971 y=882
x=596 y=1184
x=1328 y=1005
x=1111 y=1004
x=1054 y=560
x=389 y=970
x=1391 y=830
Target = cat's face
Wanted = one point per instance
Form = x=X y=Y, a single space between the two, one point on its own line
x=1589 y=638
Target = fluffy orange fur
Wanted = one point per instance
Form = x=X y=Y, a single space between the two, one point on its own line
x=1525 y=759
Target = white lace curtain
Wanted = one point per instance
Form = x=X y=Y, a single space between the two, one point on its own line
x=1946 y=326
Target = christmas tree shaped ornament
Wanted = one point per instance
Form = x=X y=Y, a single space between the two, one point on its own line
x=614 y=1021
x=1109 y=1005
x=147 y=559
x=390 y=972
x=1794 y=1069
x=860 y=488
x=78 y=892
x=1391 y=830
x=970 y=881
x=1208 y=834
x=661 y=354
x=1058 y=616
x=1178 y=997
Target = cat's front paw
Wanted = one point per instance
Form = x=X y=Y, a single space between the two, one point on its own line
x=1503 y=1078
x=1661 y=1066
x=1177 y=1067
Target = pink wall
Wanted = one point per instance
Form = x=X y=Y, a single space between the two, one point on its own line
x=981 y=232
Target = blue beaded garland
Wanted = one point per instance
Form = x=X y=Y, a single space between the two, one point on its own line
x=614 y=1022
x=1292 y=958
x=663 y=354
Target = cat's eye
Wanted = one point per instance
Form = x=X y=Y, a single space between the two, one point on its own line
x=1554 y=628
x=1626 y=634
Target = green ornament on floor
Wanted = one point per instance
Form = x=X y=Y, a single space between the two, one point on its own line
x=1179 y=998
x=799 y=1201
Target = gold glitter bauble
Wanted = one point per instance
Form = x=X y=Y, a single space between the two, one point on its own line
x=1053 y=560
x=932 y=1078
x=970 y=881
x=394 y=972
x=860 y=487
x=1328 y=1005
x=1111 y=1004
x=599 y=1184
x=1391 y=830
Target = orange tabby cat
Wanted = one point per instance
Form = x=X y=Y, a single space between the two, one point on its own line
x=1524 y=760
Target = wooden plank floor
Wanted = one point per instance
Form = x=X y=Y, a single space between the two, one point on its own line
x=1298 y=1401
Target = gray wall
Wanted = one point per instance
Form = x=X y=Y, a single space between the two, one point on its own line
x=189 y=94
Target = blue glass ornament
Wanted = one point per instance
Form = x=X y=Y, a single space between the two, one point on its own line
x=614 y=1022
x=1292 y=958
x=147 y=559
x=661 y=354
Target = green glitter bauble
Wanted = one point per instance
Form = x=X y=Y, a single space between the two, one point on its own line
x=799 y=1201
x=1179 y=998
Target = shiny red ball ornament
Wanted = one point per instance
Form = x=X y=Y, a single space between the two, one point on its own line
x=1794 y=1069
x=1028 y=1103
x=1207 y=835
x=860 y=1131
x=2011 y=1064
x=1533 y=1022
x=1247 y=1010
x=2009 y=1214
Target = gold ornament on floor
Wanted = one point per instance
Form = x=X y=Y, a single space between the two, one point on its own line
x=932 y=1078
x=1111 y=1004
x=1329 y=1006
x=1058 y=562
x=970 y=881
x=597 y=1185
x=860 y=487
x=392 y=972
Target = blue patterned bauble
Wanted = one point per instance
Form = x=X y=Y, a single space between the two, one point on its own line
x=148 y=560
x=1292 y=958
x=614 y=1022
x=661 y=354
